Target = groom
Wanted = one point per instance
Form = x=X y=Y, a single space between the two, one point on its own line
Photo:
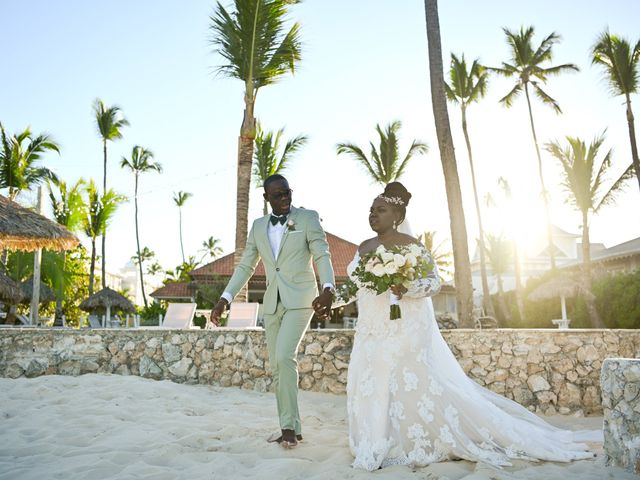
x=287 y=241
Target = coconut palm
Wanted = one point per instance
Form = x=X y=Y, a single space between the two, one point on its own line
x=259 y=50
x=526 y=66
x=99 y=211
x=268 y=160
x=462 y=277
x=19 y=156
x=499 y=253
x=466 y=87
x=439 y=252
x=139 y=163
x=211 y=247
x=109 y=121
x=385 y=165
x=511 y=213
x=621 y=65
x=180 y=198
x=583 y=181
x=154 y=269
x=68 y=206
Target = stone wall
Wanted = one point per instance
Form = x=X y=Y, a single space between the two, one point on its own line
x=548 y=371
x=620 y=380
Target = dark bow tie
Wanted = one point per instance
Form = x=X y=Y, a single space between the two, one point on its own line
x=276 y=219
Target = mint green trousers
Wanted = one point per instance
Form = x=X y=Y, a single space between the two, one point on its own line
x=284 y=330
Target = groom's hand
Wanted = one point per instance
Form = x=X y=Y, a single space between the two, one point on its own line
x=216 y=313
x=322 y=303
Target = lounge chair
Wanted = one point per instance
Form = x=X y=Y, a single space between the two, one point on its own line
x=179 y=315
x=243 y=315
x=95 y=321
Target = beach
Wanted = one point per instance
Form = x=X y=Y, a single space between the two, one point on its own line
x=120 y=427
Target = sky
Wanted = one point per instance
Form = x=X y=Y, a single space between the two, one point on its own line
x=364 y=62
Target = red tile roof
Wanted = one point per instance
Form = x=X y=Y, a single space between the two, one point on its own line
x=175 y=290
x=342 y=252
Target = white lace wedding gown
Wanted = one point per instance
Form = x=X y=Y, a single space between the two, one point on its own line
x=409 y=402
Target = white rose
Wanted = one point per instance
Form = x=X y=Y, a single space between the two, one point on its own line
x=413 y=261
x=380 y=249
x=368 y=267
x=390 y=269
x=399 y=260
x=415 y=249
x=386 y=256
x=378 y=270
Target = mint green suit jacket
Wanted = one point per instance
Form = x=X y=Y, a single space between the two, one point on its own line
x=291 y=275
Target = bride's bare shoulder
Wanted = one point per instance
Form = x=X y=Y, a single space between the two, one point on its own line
x=405 y=239
x=368 y=245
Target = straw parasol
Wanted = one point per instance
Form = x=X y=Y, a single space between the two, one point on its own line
x=23 y=229
x=559 y=286
x=10 y=291
x=107 y=299
x=46 y=294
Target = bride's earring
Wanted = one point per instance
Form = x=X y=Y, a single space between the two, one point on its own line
x=394 y=225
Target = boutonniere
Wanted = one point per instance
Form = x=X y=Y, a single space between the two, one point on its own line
x=291 y=225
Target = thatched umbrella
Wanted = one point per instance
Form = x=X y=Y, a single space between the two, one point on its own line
x=10 y=291
x=46 y=294
x=26 y=230
x=559 y=286
x=107 y=299
x=11 y=294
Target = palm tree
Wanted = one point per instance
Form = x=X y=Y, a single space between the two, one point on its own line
x=583 y=182
x=140 y=163
x=109 y=122
x=211 y=246
x=508 y=198
x=18 y=160
x=258 y=50
x=385 y=165
x=462 y=277
x=526 y=66
x=68 y=206
x=466 y=87
x=266 y=158
x=154 y=269
x=499 y=254
x=439 y=252
x=180 y=198
x=99 y=210
x=620 y=63
x=146 y=255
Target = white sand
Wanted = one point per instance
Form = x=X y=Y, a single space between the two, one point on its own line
x=109 y=426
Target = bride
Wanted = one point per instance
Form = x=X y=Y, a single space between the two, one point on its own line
x=408 y=400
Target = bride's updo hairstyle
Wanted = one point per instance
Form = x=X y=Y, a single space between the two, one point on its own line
x=396 y=195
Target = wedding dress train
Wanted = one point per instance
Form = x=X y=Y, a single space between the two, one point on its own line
x=409 y=401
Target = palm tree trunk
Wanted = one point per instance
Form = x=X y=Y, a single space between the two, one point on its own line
x=462 y=275
x=632 y=137
x=180 y=230
x=486 y=295
x=135 y=201
x=57 y=317
x=245 y=158
x=596 y=321
x=92 y=267
x=518 y=274
x=545 y=199
x=503 y=303
x=104 y=234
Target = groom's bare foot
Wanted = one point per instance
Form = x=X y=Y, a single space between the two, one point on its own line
x=289 y=439
x=277 y=438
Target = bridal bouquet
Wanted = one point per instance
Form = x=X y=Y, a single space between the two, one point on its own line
x=381 y=268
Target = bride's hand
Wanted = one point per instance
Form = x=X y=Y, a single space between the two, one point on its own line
x=398 y=290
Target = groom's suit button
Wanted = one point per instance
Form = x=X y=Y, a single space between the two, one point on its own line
x=277 y=269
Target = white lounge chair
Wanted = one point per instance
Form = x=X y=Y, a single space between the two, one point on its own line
x=179 y=315
x=243 y=315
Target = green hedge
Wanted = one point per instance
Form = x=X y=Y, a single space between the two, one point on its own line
x=617 y=301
